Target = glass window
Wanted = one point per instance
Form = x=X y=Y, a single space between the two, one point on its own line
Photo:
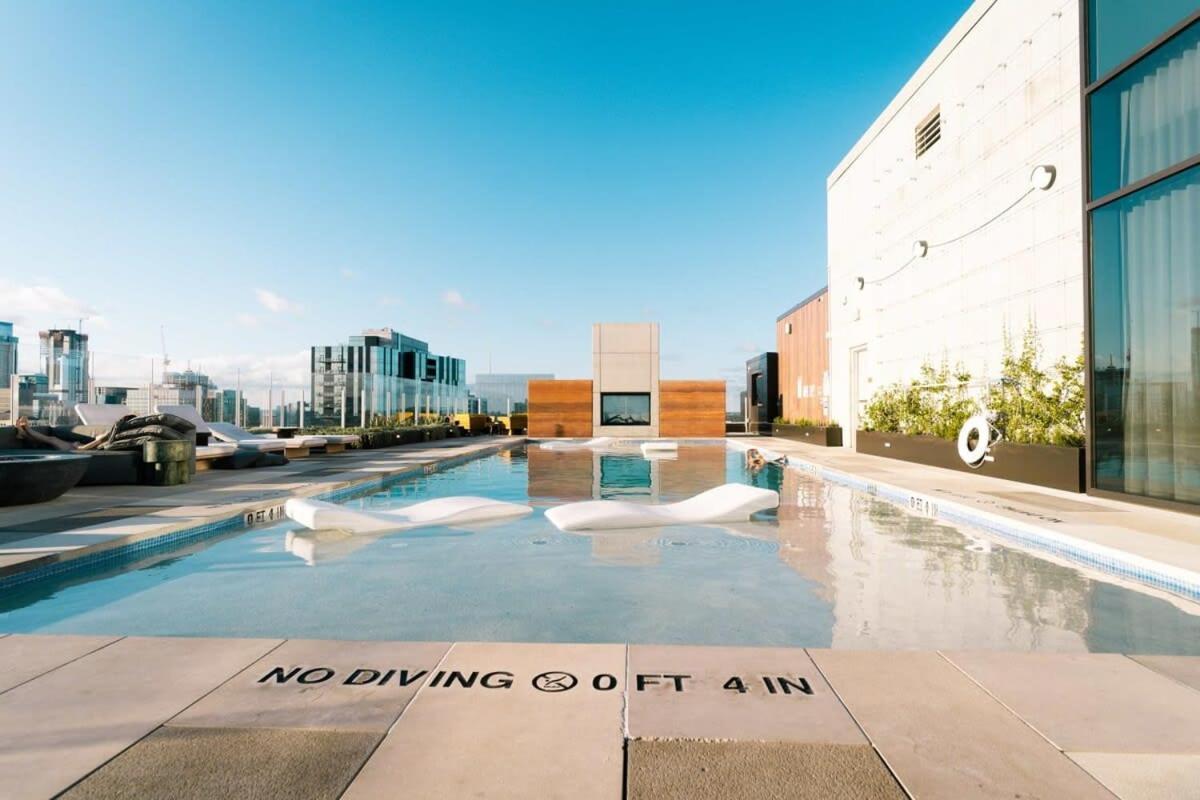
x=625 y=409
x=1147 y=118
x=1146 y=341
x=1119 y=28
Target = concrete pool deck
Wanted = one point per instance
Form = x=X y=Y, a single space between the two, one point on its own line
x=93 y=519
x=113 y=717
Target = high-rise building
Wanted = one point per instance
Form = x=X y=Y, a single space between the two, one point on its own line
x=8 y=354
x=502 y=393
x=382 y=373
x=64 y=357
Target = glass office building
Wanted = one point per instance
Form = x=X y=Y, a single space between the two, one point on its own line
x=382 y=374
x=1141 y=65
x=8 y=354
x=503 y=393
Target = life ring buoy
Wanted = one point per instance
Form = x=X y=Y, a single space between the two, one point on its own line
x=973 y=456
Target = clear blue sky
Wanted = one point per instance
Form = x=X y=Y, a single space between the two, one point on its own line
x=491 y=177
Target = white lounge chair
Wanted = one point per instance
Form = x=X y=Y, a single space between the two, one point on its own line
x=101 y=413
x=205 y=453
x=295 y=447
x=250 y=443
x=319 y=515
x=733 y=502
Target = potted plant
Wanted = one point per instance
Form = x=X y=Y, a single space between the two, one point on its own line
x=823 y=434
x=1037 y=413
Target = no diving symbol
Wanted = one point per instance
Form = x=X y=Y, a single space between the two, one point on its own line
x=555 y=682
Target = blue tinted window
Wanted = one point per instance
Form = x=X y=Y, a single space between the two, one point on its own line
x=1148 y=117
x=1146 y=341
x=1119 y=28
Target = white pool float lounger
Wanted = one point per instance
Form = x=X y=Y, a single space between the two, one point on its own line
x=319 y=515
x=733 y=502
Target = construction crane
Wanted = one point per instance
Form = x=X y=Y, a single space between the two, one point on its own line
x=162 y=335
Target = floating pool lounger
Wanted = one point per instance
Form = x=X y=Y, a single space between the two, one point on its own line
x=598 y=443
x=659 y=446
x=319 y=515
x=733 y=502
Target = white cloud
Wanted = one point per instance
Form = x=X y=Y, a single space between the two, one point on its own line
x=289 y=370
x=748 y=347
x=388 y=301
x=277 y=303
x=348 y=273
x=37 y=305
x=247 y=320
x=453 y=297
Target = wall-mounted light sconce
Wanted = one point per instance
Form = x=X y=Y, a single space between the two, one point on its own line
x=1042 y=177
x=920 y=248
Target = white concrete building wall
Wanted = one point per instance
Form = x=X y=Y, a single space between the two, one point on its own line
x=625 y=359
x=1006 y=80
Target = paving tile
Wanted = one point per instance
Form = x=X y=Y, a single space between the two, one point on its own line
x=1141 y=776
x=23 y=658
x=733 y=693
x=320 y=684
x=1091 y=702
x=514 y=742
x=58 y=728
x=206 y=763
x=942 y=735
x=691 y=770
x=1185 y=669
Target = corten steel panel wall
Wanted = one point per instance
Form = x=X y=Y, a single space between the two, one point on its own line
x=804 y=358
x=691 y=408
x=1006 y=80
x=560 y=408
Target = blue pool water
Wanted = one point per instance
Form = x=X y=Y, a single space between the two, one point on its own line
x=833 y=567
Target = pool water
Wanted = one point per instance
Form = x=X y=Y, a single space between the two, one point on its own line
x=832 y=567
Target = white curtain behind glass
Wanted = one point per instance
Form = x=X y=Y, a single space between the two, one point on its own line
x=1160 y=114
x=1161 y=243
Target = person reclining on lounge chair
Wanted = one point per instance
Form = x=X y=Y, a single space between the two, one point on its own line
x=129 y=433
x=54 y=443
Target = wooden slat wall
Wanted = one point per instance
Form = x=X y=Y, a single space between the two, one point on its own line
x=560 y=408
x=558 y=475
x=699 y=468
x=804 y=357
x=691 y=408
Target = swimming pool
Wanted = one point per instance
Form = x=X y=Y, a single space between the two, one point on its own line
x=832 y=567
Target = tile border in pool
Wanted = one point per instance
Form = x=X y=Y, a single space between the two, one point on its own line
x=263 y=513
x=1111 y=561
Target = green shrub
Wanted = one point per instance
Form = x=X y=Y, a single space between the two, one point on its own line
x=1038 y=406
x=936 y=404
x=805 y=422
x=1032 y=405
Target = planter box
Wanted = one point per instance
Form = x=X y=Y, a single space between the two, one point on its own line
x=1039 y=464
x=821 y=436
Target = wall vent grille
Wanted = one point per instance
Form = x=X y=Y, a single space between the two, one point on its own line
x=929 y=132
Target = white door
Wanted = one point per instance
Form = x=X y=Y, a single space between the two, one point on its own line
x=860 y=390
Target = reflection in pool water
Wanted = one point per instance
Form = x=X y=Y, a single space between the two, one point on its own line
x=833 y=567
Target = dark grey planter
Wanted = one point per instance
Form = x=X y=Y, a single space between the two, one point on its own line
x=811 y=434
x=1038 y=464
x=30 y=476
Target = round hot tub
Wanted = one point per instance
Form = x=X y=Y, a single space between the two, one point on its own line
x=35 y=476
